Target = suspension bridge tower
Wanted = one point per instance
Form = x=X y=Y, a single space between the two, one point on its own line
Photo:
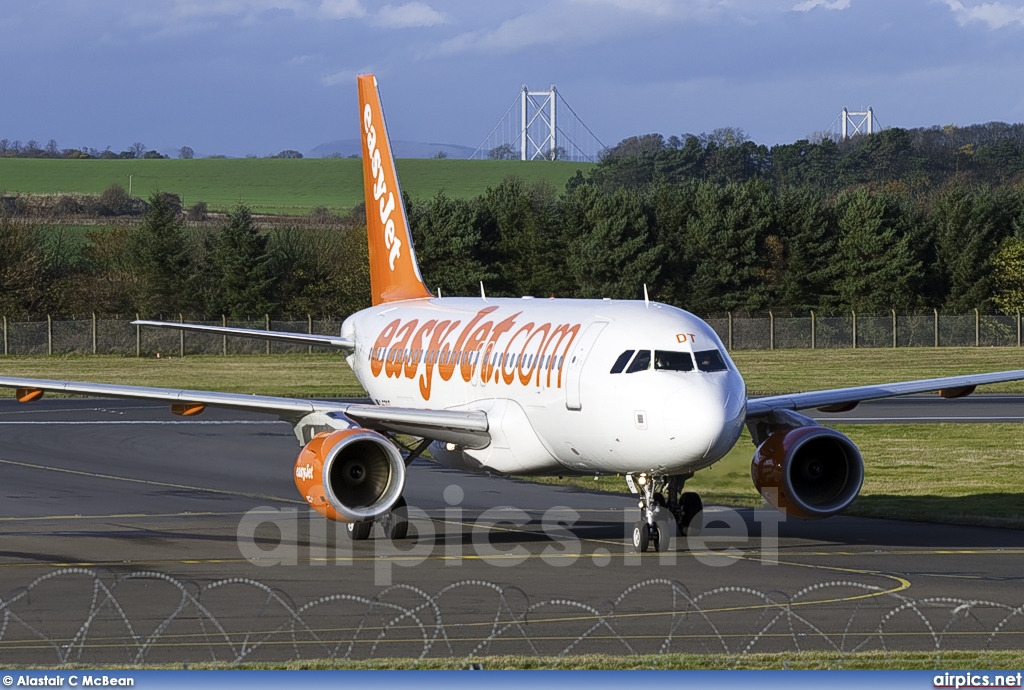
x=547 y=128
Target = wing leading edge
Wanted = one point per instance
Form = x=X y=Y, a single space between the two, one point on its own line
x=463 y=427
x=280 y=336
x=760 y=407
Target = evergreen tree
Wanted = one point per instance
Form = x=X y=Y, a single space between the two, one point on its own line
x=446 y=234
x=970 y=224
x=163 y=262
x=244 y=275
x=725 y=239
x=613 y=251
x=878 y=262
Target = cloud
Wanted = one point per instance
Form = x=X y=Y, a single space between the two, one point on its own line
x=808 y=5
x=341 y=9
x=996 y=15
x=191 y=14
x=411 y=14
x=589 y=22
x=345 y=76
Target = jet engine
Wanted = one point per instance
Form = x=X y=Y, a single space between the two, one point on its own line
x=808 y=472
x=350 y=475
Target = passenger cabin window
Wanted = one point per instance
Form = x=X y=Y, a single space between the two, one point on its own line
x=710 y=360
x=667 y=360
x=642 y=362
x=620 y=363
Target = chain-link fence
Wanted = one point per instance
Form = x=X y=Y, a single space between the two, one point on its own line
x=118 y=336
x=852 y=330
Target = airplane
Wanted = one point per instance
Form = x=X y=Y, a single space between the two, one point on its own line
x=532 y=387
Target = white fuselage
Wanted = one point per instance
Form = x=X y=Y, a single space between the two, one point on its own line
x=542 y=370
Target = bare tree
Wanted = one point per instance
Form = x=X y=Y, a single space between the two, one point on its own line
x=503 y=152
x=186 y=153
x=138 y=149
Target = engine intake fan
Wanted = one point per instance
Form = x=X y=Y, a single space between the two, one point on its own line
x=351 y=475
x=809 y=471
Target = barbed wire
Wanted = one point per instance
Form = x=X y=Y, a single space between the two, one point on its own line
x=79 y=615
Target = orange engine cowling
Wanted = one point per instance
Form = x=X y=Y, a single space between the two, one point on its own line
x=808 y=472
x=350 y=475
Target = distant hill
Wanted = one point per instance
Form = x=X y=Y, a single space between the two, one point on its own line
x=402 y=149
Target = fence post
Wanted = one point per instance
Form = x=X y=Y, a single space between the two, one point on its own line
x=771 y=331
x=854 y=328
x=936 y=326
x=224 y=338
x=1018 y=329
x=309 y=329
x=894 y=329
x=812 y=330
x=49 y=334
x=977 y=329
x=5 y=332
x=94 y=332
x=181 y=337
x=138 y=338
x=267 y=318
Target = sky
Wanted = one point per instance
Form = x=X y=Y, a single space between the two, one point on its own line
x=253 y=77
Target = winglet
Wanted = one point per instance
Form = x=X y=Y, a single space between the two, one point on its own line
x=394 y=273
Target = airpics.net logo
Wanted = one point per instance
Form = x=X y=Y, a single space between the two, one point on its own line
x=451 y=536
x=381 y=194
x=969 y=681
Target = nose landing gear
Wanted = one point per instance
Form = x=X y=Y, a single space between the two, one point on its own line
x=660 y=494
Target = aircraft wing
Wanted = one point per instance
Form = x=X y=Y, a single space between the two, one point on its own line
x=949 y=386
x=281 y=336
x=464 y=427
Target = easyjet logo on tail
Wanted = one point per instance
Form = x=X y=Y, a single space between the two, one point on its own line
x=381 y=194
x=394 y=275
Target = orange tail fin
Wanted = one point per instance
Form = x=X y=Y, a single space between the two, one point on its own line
x=394 y=273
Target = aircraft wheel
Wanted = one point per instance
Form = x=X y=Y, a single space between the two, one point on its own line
x=641 y=536
x=659 y=540
x=359 y=531
x=399 y=520
x=691 y=518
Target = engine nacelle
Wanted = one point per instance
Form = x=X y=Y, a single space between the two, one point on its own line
x=809 y=471
x=351 y=475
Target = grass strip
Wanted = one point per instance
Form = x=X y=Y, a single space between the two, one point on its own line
x=874 y=660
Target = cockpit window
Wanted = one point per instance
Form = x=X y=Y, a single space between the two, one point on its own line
x=620 y=363
x=672 y=361
x=641 y=362
x=710 y=360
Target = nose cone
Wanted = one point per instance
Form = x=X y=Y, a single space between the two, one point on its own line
x=710 y=416
x=731 y=399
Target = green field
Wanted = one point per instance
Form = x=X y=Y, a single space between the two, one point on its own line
x=954 y=473
x=270 y=185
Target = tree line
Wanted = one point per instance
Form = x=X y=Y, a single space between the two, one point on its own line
x=137 y=151
x=707 y=247
x=163 y=265
x=991 y=153
x=904 y=219
x=747 y=246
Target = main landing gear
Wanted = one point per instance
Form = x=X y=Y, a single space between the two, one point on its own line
x=658 y=495
x=395 y=524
